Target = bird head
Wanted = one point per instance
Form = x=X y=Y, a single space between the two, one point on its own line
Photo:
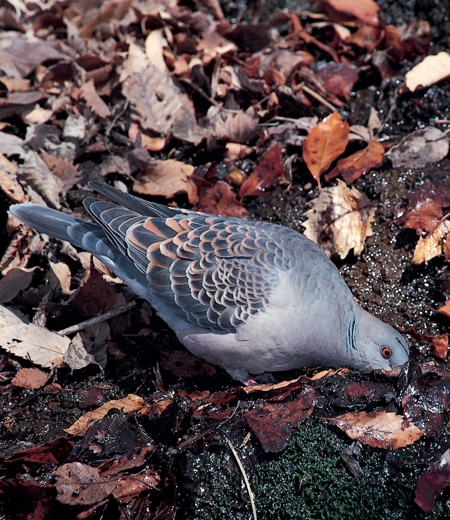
x=378 y=345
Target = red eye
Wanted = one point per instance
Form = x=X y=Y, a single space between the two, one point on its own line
x=386 y=352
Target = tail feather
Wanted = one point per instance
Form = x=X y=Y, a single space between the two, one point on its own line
x=82 y=234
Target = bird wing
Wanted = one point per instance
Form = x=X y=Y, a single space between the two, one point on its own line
x=211 y=271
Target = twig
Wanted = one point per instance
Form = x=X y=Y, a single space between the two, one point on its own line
x=319 y=98
x=98 y=319
x=244 y=475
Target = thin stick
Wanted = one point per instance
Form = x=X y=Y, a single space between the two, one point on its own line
x=319 y=98
x=98 y=319
x=244 y=475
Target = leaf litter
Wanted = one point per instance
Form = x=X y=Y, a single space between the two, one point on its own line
x=173 y=102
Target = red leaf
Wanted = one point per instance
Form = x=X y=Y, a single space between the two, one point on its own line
x=267 y=174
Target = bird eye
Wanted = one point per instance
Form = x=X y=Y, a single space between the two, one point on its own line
x=386 y=352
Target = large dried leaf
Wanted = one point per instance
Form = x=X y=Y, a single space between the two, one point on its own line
x=28 y=341
x=378 y=429
x=429 y=71
x=364 y=10
x=160 y=107
x=340 y=220
x=419 y=148
x=166 y=179
x=324 y=144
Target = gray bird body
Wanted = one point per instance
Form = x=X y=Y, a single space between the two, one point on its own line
x=248 y=296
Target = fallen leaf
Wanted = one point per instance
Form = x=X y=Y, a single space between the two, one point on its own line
x=378 y=429
x=432 y=483
x=273 y=423
x=220 y=199
x=238 y=128
x=131 y=403
x=419 y=148
x=352 y=167
x=29 y=341
x=445 y=309
x=425 y=205
x=267 y=173
x=31 y=378
x=324 y=144
x=89 y=93
x=14 y=281
x=166 y=179
x=426 y=406
x=438 y=342
x=364 y=10
x=429 y=71
x=432 y=245
x=339 y=78
x=80 y=484
x=160 y=107
x=339 y=220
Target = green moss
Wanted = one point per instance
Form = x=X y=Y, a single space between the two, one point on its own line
x=309 y=480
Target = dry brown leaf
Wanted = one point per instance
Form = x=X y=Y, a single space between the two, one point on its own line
x=429 y=71
x=63 y=275
x=378 y=429
x=8 y=181
x=154 y=47
x=340 y=220
x=324 y=144
x=28 y=341
x=154 y=144
x=166 y=179
x=431 y=246
x=31 y=378
x=364 y=10
x=160 y=107
x=239 y=128
x=80 y=484
x=93 y=100
x=419 y=148
x=352 y=167
x=14 y=281
x=131 y=403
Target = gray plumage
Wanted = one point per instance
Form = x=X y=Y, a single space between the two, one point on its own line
x=248 y=296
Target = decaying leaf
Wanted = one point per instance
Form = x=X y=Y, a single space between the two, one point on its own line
x=31 y=378
x=419 y=148
x=80 y=484
x=273 y=423
x=432 y=245
x=131 y=403
x=378 y=429
x=340 y=220
x=429 y=71
x=267 y=173
x=432 y=483
x=426 y=205
x=324 y=144
x=25 y=340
